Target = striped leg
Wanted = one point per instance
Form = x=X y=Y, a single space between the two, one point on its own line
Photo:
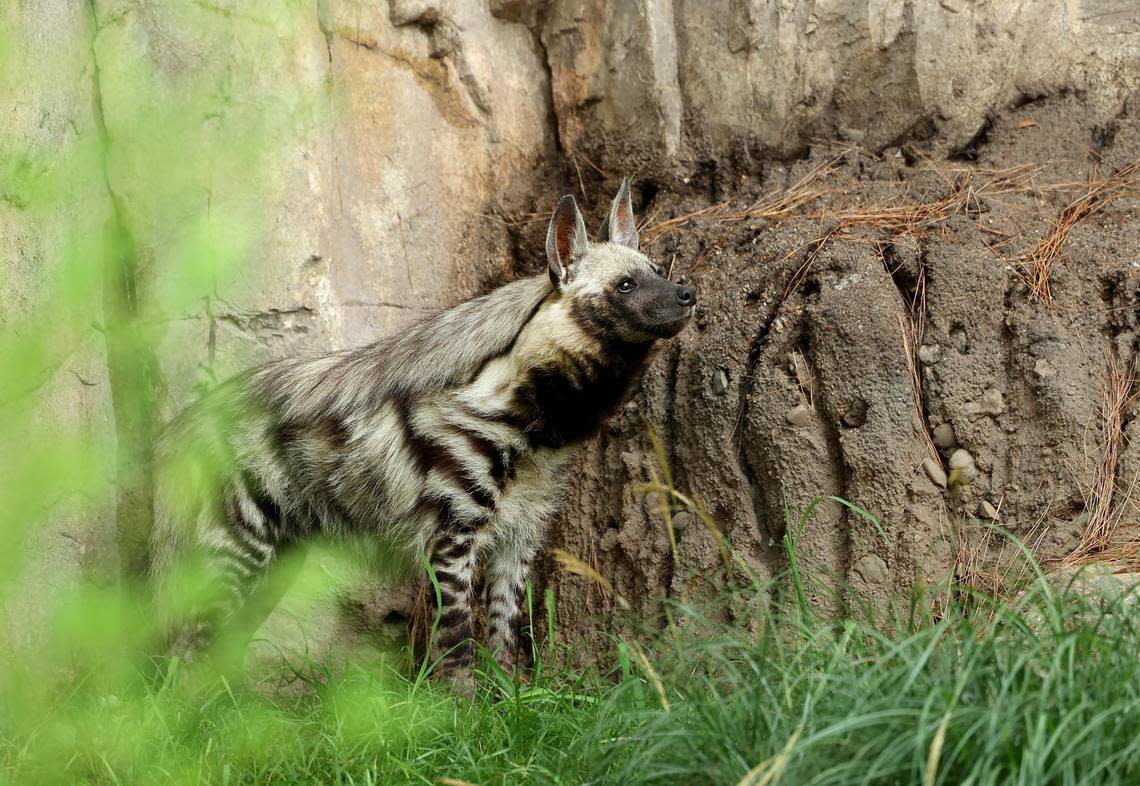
x=238 y=548
x=453 y=649
x=510 y=634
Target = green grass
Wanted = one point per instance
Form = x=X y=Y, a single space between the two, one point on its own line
x=1044 y=690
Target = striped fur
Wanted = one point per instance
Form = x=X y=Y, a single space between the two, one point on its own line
x=449 y=439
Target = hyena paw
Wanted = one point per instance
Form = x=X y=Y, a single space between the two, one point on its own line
x=515 y=668
x=190 y=642
x=461 y=681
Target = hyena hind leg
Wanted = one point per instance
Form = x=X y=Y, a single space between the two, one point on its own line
x=242 y=580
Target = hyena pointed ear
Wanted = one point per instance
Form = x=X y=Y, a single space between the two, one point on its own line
x=620 y=226
x=566 y=239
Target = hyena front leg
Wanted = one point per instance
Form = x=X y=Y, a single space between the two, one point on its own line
x=510 y=637
x=452 y=559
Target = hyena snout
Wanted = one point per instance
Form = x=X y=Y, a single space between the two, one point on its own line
x=686 y=296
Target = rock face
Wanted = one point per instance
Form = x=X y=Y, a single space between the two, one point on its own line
x=277 y=182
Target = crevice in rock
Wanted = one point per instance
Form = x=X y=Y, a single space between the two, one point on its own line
x=1103 y=137
x=972 y=149
x=669 y=433
x=326 y=29
x=1033 y=97
x=752 y=475
x=132 y=366
x=922 y=130
x=548 y=68
x=830 y=429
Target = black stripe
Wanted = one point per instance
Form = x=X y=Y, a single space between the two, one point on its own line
x=265 y=504
x=507 y=417
x=510 y=346
x=449 y=581
x=448 y=520
x=459 y=658
x=231 y=511
x=240 y=524
x=453 y=617
x=448 y=598
x=490 y=450
x=429 y=454
x=449 y=637
x=452 y=549
x=503 y=457
x=565 y=401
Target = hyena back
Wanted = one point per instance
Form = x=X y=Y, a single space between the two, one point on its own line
x=449 y=439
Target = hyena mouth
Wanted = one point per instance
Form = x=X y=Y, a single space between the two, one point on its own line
x=670 y=328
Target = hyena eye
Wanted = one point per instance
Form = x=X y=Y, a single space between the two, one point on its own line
x=626 y=285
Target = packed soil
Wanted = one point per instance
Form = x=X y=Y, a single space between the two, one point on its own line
x=941 y=337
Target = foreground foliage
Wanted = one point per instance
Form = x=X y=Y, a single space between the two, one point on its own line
x=1038 y=691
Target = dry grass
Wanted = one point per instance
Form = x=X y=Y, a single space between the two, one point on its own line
x=1098 y=194
x=1108 y=500
x=990 y=569
x=572 y=564
x=781 y=205
x=966 y=189
x=805 y=379
x=912 y=340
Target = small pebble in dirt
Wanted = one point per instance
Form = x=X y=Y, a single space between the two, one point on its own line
x=987 y=511
x=609 y=539
x=652 y=502
x=799 y=415
x=961 y=460
x=991 y=403
x=929 y=354
x=682 y=520
x=934 y=472
x=943 y=436
x=720 y=382
x=872 y=569
x=1043 y=368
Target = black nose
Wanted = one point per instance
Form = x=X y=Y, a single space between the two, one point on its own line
x=686 y=296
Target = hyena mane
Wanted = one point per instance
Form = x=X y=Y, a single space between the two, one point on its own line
x=448 y=440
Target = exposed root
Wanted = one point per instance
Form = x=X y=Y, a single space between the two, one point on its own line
x=1046 y=252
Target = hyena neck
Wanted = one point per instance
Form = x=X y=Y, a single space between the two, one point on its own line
x=569 y=381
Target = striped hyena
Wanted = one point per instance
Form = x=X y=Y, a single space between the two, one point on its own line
x=449 y=439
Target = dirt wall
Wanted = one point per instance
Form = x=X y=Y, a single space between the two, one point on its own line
x=886 y=343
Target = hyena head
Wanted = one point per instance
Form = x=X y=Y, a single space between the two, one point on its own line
x=614 y=291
